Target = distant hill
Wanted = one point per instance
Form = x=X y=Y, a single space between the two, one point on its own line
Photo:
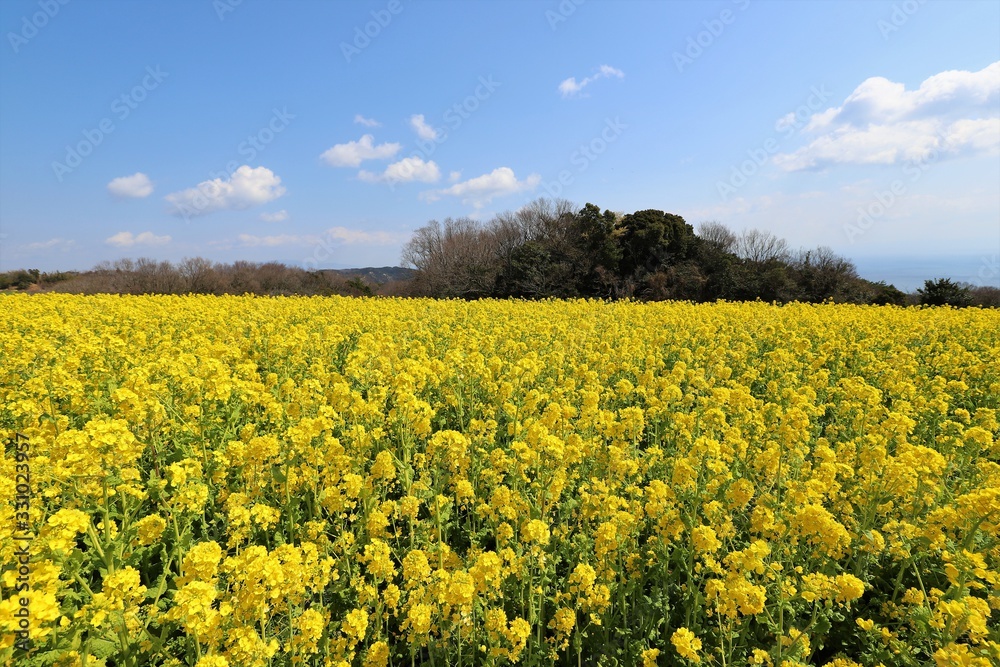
x=374 y=275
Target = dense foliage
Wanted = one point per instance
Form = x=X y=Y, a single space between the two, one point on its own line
x=943 y=292
x=326 y=481
x=545 y=249
x=22 y=279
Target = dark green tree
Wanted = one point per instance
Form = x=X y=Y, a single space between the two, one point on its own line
x=883 y=294
x=651 y=239
x=599 y=253
x=943 y=292
x=20 y=279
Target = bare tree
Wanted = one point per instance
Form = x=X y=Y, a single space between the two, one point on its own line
x=535 y=217
x=276 y=278
x=822 y=274
x=717 y=235
x=986 y=296
x=507 y=235
x=760 y=247
x=199 y=275
x=425 y=253
x=242 y=277
x=471 y=264
x=157 y=277
x=456 y=258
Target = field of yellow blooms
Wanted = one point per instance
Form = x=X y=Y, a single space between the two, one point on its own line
x=327 y=481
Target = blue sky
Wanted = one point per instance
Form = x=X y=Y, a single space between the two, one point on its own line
x=322 y=133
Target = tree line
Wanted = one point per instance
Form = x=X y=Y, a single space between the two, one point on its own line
x=199 y=276
x=545 y=249
x=548 y=249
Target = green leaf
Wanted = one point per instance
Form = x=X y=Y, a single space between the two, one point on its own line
x=103 y=648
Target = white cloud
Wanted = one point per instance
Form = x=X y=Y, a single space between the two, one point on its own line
x=608 y=70
x=454 y=176
x=251 y=241
x=910 y=224
x=137 y=186
x=367 y=122
x=348 y=236
x=340 y=235
x=51 y=244
x=246 y=188
x=127 y=239
x=277 y=216
x=423 y=130
x=481 y=190
x=571 y=86
x=405 y=171
x=951 y=113
x=353 y=153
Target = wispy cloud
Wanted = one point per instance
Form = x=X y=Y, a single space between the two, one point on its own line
x=349 y=236
x=128 y=239
x=246 y=188
x=342 y=235
x=423 y=130
x=135 y=186
x=353 y=153
x=58 y=243
x=276 y=216
x=367 y=122
x=571 y=87
x=251 y=241
x=950 y=114
x=481 y=190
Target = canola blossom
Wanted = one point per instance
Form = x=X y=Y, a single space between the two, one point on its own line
x=242 y=482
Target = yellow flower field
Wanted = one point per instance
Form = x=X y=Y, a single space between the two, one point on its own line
x=328 y=481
